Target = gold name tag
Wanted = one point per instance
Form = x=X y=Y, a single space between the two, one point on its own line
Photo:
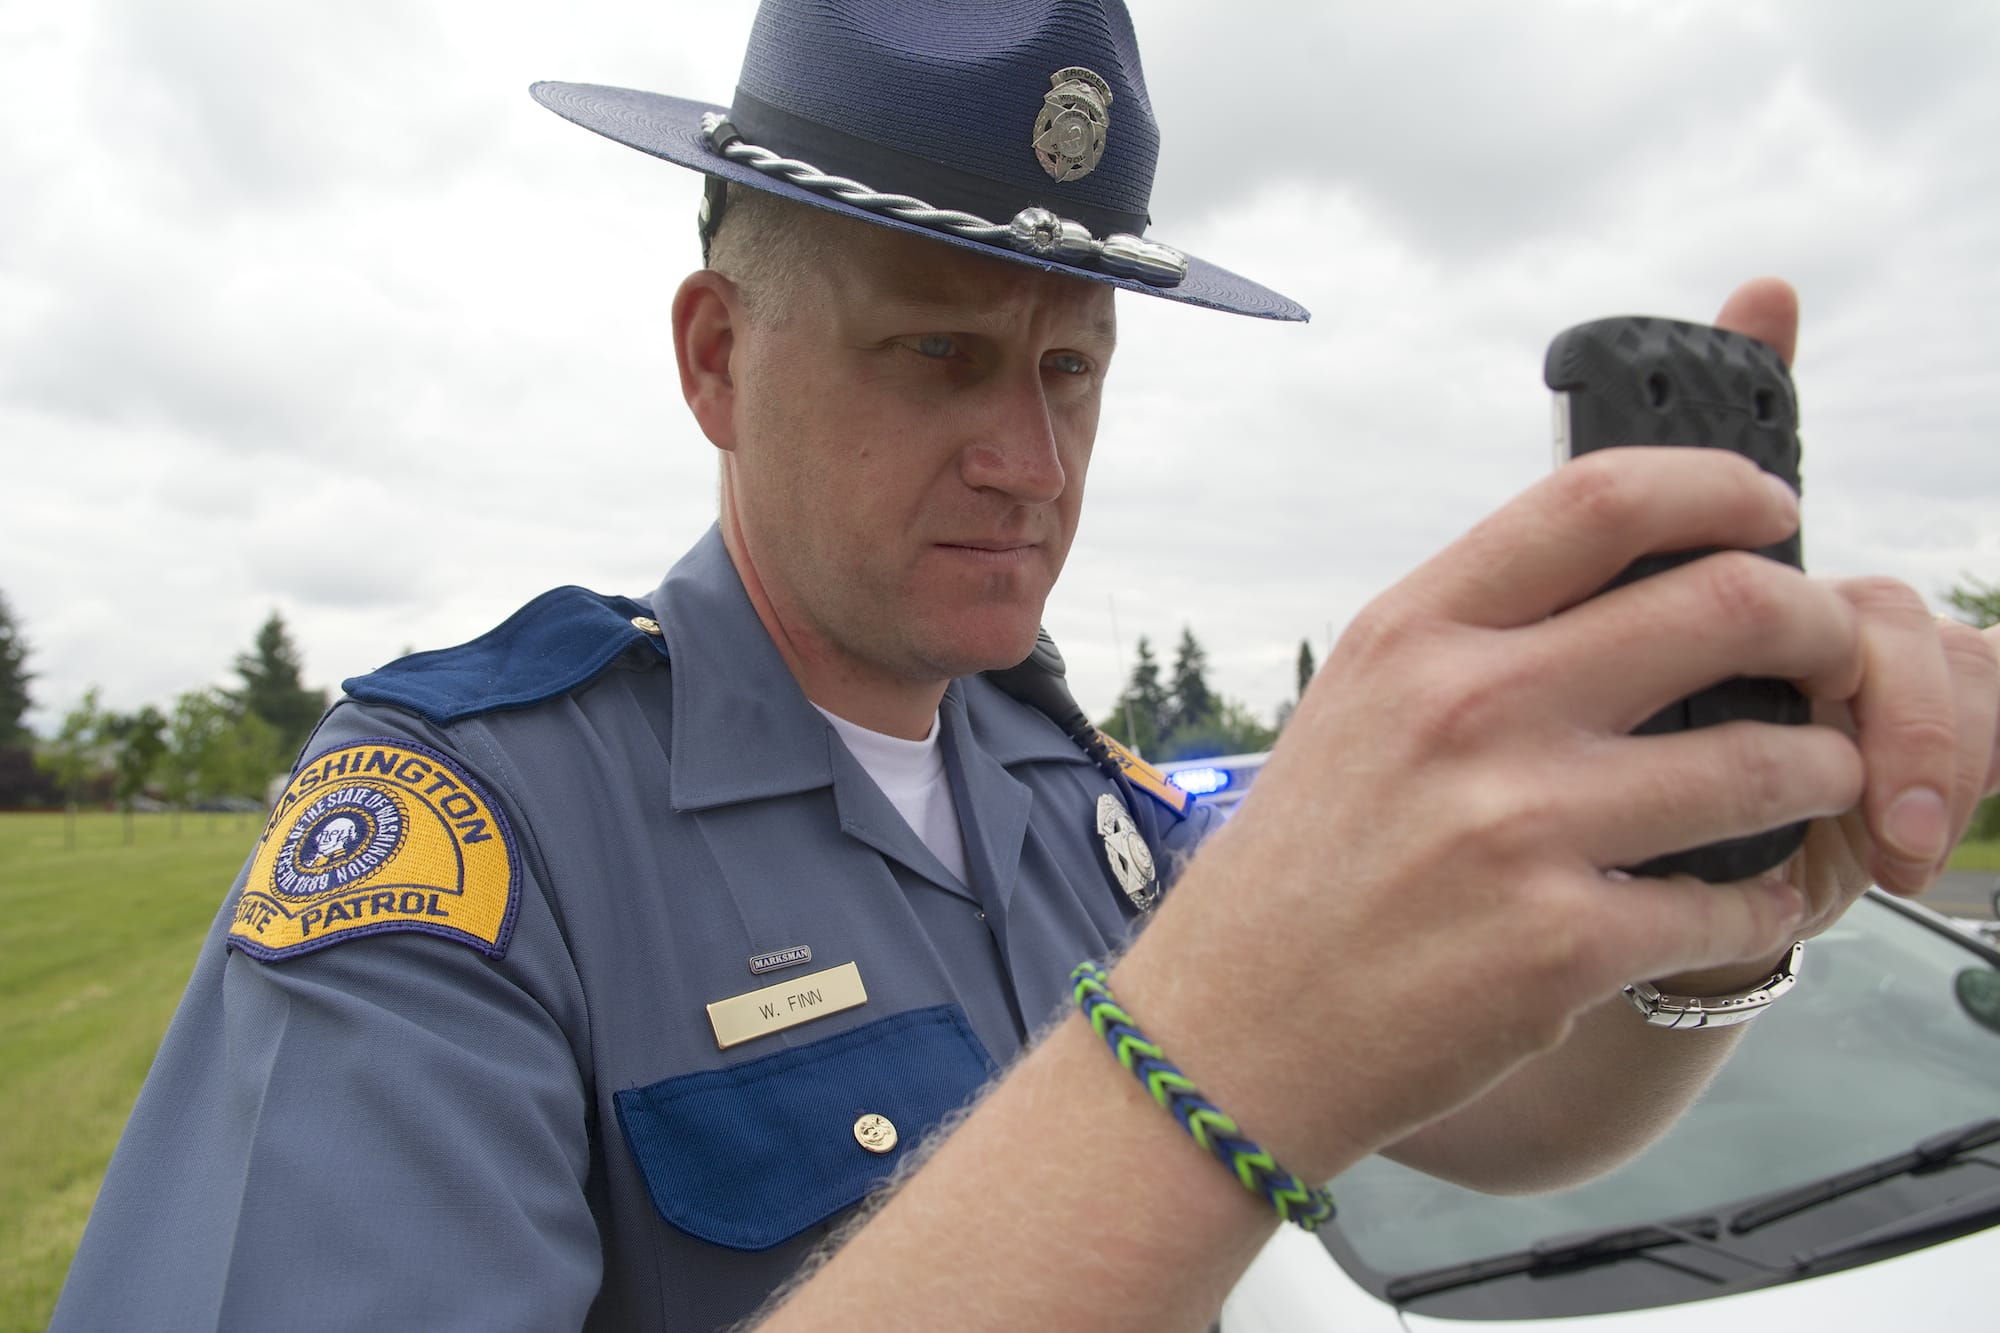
x=759 y=1013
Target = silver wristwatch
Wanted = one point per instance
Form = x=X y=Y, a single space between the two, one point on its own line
x=1687 y=1012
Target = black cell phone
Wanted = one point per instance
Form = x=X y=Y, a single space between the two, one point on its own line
x=1636 y=380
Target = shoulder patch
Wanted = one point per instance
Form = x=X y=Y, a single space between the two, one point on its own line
x=1147 y=778
x=379 y=835
x=559 y=642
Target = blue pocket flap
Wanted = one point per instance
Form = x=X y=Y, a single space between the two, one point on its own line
x=751 y=1155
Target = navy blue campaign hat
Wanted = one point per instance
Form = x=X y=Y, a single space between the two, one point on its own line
x=1016 y=128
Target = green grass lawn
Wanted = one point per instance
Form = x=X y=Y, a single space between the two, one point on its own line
x=96 y=944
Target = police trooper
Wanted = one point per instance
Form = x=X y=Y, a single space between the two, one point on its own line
x=709 y=906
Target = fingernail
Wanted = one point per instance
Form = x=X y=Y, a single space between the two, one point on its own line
x=1784 y=489
x=1917 y=826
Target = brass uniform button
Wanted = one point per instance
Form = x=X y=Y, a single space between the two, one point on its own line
x=646 y=625
x=875 y=1133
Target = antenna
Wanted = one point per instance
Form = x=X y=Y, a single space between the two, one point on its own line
x=1124 y=695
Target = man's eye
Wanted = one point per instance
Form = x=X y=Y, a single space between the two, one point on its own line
x=938 y=345
x=1066 y=363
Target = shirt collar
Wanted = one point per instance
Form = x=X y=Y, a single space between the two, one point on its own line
x=744 y=730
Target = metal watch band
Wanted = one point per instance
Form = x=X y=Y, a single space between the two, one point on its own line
x=1688 y=1012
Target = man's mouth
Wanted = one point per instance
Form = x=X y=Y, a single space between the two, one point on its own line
x=991 y=553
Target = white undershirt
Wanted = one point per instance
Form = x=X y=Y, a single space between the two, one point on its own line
x=911 y=774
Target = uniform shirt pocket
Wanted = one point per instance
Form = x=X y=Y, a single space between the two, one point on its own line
x=750 y=1155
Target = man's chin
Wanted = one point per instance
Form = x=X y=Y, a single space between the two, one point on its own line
x=966 y=650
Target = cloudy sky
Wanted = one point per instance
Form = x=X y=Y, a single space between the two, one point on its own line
x=310 y=307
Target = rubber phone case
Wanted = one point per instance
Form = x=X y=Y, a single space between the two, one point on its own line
x=1635 y=380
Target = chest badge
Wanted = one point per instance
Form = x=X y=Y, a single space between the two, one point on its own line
x=1125 y=851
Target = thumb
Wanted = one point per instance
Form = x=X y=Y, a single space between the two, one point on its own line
x=1766 y=309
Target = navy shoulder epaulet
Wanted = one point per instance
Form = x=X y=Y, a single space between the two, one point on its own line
x=556 y=643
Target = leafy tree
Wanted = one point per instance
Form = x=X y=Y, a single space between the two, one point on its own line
x=76 y=755
x=1977 y=602
x=1140 y=717
x=272 y=688
x=194 y=734
x=138 y=742
x=215 y=750
x=14 y=678
x=1306 y=665
x=243 y=766
x=177 y=775
x=1193 y=703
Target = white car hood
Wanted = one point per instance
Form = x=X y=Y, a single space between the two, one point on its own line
x=1295 y=1287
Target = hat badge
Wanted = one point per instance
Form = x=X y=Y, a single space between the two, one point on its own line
x=1069 y=132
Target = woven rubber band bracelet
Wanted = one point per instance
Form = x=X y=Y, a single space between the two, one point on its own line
x=1292 y=1200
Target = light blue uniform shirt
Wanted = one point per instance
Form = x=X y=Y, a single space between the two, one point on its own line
x=400 y=1131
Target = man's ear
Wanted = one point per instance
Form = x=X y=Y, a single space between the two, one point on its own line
x=707 y=309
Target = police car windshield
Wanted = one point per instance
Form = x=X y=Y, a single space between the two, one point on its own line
x=1873 y=1051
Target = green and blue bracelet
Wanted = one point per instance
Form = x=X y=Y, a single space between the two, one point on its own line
x=1292 y=1200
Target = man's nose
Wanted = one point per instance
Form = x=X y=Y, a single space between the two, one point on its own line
x=1016 y=452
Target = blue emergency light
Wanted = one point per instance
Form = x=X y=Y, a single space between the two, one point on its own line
x=1200 y=781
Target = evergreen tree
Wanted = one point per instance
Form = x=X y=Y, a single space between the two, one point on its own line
x=272 y=690
x=14 y=678
x=23 y=783
x=1140 y=718
x=1193 y=703
x=1306 y=665
x=1186 y=720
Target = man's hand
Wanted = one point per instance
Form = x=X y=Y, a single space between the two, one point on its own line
x=1924 y=717
x=1415 y=899
x=1926 y=697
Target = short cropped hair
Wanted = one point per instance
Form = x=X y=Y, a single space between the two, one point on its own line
x=764 y=243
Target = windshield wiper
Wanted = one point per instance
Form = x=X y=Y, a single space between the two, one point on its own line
x=1931 y=1225
x=1929 y=1154
x=1575 y=1250
x=1703 y=1231
x=1586 y=1248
